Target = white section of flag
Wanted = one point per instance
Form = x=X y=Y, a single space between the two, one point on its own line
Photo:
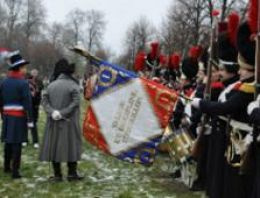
x=126 y=117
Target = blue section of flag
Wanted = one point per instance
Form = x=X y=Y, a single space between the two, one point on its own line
x=111 y=75
x=143 y=154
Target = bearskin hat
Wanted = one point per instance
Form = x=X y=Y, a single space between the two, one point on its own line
x=245 y=37
x=190 y=65
x=227 y=51
x=246 y=46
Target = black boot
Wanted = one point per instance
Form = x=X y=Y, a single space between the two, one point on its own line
x=57 y=172
x=176 y=174
x=7 y=158
x=198 y=185
x=72 y=172
x=17 y=151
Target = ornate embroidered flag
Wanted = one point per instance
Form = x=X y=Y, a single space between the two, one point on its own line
x=127 y=114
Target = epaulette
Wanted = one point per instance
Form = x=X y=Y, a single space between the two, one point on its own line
x=247 y=87
x=237 y=86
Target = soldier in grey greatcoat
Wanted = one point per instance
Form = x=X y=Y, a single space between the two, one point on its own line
x=62 y=138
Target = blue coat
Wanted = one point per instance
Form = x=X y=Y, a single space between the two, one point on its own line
x=16 y=106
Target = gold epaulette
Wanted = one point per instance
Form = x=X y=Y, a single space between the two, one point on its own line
x=247 y=87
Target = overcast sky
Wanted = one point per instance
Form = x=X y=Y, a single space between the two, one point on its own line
x=119 y=14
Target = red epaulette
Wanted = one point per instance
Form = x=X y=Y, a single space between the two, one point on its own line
x=237 y=86
x=217 y=85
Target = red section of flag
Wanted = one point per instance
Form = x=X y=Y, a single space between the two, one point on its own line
x=162 y=99
x=91 y=130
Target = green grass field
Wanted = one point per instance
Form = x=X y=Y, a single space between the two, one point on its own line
x=105 y=177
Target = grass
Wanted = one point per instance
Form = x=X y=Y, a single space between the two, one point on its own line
x=105 y=177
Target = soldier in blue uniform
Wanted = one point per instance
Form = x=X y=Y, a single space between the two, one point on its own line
x=16 y=109
x=232 y=107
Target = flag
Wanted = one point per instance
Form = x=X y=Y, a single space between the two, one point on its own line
x=127 y=114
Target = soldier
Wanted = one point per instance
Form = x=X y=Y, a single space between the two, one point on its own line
x=195 y=126
x=172 y=71
x=249 y=31
x=231 y=108
x=149 y=65
x=227 y=58
x=16 y=107
x=36 y=87
x=62 y=138
x=253 y=110
x=153 y=60
x=189 y=70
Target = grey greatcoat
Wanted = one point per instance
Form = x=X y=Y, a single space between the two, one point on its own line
x=62 y=139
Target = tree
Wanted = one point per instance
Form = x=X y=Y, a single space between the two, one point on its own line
x=95 y=29
x=33 y=18
x=188 y=22
x=75 y=22
x=55 y=34
x=32 y=21
x=44 y=56
x=183 y=25
x=137 y=36
x=13 y=8
x=3 y=17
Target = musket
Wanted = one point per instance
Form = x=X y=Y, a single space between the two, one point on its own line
x=257 y=55
x=207 y=92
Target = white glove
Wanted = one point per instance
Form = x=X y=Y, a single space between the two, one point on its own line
x=253 y=105
x=195 y=102
x=56 y=115
x=198 y=130
x=30 y=125
x=248 y=139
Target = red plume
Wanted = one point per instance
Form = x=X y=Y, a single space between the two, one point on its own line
x=252 y=15
x=3 y=55
x=215 y=13
x=175 y=60
x=4 y=50
x=163 y=59
x=195 y=52
x=154 y=50
x=233 y=23
x=140 y=61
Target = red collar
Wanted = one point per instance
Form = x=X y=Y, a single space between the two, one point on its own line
x=217 y=85
x=16 y=74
